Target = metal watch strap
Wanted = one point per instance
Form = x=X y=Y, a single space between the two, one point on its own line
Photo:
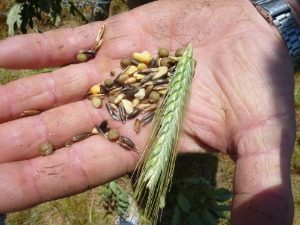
x=279 y=14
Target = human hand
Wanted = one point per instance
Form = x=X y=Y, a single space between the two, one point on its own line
x=241 y=103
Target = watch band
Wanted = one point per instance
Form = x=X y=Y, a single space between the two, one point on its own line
x=278 y=12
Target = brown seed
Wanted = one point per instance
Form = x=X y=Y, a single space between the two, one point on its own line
x=167 y=61
x=179 y=52
x=163 y=52
x=160 y=87
x=113 y=135
x=46 y=149
x=111 y=98
x=154 y=96
x=148 y=90
x=143 y=106
x=137 y=126
x=147 y=78
x=30 y=112
x=125 y=62
x=96 y=102
x=109 y=83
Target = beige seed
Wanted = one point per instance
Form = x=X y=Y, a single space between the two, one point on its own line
x=81 y=57
x=140 y=94
x=127 y=106
x=135 y=102
x=138 y=76
x=113 y=135
x=96 y=102
x=111 y=98
x=142 y=66
x=95 y=131
x=123 y=77
x=143 y=106
x=46 y=149
x=119 y=98
x=130 y=70
x=143 y=57
x=109 y=83
x=162 y=92
x=130 y=80
x=154 y=96
x=162 y=70
x=95 y=89
x=30 y=112
x=137 y=126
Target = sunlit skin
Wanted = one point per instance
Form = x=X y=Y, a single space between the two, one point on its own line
x=241 y=103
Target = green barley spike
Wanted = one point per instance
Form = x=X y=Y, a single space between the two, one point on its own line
x=156 y=167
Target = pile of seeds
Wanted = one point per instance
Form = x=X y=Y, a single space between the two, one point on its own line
x=139 y=89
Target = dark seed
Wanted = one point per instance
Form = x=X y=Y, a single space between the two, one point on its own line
x=129 y=91
x=104 y=89
x=152 y=63
x=163 y=52
x=147 y=78
x=134 y=62
x=103 y=127
x=114 y=114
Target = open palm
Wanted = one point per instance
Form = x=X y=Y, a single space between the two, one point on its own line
x=241 y=103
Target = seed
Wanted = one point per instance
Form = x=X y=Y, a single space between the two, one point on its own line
x=125 y=62
x=95 y=89
x=81 y=137
x=46 y=149
x=154 y=96
x=126 y=143
x=135 y=102
x=123 y=77
x=114 y=90
x=163 y=52
x=179 y=52
x=96 y=102
x=127 y=105
x=130 y=80
x=103 y=127
x=162 y=92
x=113 y=135
x=111 y=98
x=140 y=94
x=143 y=57
x=160 y=87
x=143 y=106
x=130 y=70
x=162 y=70
x=134 y=113
x=134 y=62
x=147 y=78
x=148 y=90
x=119 y=98
x=151 y=108
x=109 y=83
x=152 y=63
x=167 y=61
x=122 y=113
x=147 y=118
x=113 y=113
x=137 y=126
x=95 y=131
x=113 y=106
x=129 y=91
x=81 y=57
x=138 y=76
x=30 y=112
x=141 y=66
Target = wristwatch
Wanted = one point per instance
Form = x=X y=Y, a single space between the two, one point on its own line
x=278 y=13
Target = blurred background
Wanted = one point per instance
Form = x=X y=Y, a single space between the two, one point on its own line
x=201 y=192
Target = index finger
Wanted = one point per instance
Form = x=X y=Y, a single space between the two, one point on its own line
x=52 y=48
